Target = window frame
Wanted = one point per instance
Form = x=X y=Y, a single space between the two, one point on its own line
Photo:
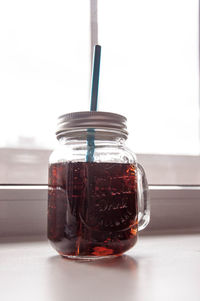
x=23 y=210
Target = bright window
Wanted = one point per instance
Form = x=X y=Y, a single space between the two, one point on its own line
x=149 y=73
x=44 y=67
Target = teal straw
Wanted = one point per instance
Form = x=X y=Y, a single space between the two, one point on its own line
x=95 y=77
x=94 y=100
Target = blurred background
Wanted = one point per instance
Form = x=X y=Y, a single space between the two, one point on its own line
x=149 y=73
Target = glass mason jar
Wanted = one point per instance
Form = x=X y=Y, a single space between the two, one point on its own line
x=98 y=193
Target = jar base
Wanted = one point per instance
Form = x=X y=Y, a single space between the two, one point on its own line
x=90 y=258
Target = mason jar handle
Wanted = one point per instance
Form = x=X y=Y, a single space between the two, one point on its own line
x=143 y=198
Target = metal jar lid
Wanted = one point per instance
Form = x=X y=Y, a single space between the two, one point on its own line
x=91 y=120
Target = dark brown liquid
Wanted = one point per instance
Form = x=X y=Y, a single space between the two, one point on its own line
x=92 y=208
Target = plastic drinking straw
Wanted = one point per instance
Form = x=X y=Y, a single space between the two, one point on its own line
x=94 y=100
x=95 y=78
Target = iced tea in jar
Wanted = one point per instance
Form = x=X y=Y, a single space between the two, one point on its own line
x=98 y=192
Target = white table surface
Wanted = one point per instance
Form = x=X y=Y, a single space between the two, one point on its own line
x=158 y=268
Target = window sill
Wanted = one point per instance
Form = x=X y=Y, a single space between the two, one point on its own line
x=157 y=268
x=23 y=210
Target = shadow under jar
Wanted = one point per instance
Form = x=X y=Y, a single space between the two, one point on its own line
x=98 y=193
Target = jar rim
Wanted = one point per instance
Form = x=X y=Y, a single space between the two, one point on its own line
x=96 y=120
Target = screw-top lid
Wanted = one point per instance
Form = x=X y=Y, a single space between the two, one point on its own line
x=91 y=120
